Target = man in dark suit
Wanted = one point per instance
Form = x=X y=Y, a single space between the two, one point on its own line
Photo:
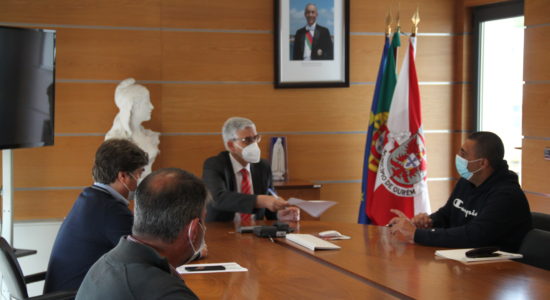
x=313 y=41
x=239 y=179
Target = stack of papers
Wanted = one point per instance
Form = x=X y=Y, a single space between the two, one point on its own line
x=460 y=255
x=311 y=242
x=314 y=207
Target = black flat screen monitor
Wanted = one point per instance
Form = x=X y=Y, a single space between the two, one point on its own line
x=27 y=87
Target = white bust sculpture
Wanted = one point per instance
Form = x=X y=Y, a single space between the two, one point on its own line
x=135 y=107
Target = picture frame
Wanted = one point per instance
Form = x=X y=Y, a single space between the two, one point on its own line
x=311 y=43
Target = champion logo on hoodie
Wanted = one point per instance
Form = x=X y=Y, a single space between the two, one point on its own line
x=458 y=204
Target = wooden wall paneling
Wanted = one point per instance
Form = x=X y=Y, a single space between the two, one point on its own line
x=204 y=108
x=95 y=102
x=538 y=203
x=437 y=107
x=537 y=47
x=139 y=13
x=189 y=152
x=536 y=105
x=348 y=196
x=369 y=16
x=434 y=57
x=536 y=12
x=535 y=170
x=108 y=54
x=215 y=14
x=440 y=154
x=43 y=204
x=214 y=56
x=67 y=163
x=463 y=108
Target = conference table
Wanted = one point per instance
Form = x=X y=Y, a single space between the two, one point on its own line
x=370 y=265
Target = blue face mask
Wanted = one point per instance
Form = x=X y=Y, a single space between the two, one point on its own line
x=462 y=167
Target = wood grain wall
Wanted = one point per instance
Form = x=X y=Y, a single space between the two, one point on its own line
x=207 y=60
x=536 y=105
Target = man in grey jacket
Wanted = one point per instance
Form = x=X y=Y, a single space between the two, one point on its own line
x=168 y=231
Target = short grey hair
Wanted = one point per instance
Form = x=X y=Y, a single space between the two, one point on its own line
x=305 y=8
x=166 y=201
x=232 y=125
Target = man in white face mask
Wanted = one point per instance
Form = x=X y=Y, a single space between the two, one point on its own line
x=168 y=231
x=239 y=179
x=99 y=216
x=486 y=208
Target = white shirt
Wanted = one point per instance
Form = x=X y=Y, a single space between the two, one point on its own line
x=237 y=167
x=307 y=50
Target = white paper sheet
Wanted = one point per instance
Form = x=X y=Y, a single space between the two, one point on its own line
x=313 y=207
x=460 y=255
x=229 y=267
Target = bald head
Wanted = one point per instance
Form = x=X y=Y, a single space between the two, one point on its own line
x=166 y=201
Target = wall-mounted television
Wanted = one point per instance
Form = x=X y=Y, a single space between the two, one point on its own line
x=27 y=87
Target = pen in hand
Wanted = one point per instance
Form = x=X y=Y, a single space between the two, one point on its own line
x=272 y=192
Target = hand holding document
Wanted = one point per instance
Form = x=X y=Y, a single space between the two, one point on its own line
x=211 y=268
x=313 y=207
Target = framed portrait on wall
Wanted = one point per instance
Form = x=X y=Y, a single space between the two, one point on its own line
x=311 y=43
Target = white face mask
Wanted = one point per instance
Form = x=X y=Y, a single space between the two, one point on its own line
x=131 y=194
x=197 y=252
x=251 y=153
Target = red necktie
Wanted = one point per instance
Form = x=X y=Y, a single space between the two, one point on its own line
x=245 y=189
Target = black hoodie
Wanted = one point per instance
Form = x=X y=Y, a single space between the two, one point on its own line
x=496 y=213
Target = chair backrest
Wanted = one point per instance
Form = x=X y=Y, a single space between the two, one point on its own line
x=536 y=248
x=541 y=221
x=11 y=272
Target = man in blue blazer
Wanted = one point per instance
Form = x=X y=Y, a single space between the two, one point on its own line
x=99 y=217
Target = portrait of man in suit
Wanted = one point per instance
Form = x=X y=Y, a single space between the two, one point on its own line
x=313 y=41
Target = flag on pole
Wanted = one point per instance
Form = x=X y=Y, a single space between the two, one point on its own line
x=383 y=91
x=402 y=173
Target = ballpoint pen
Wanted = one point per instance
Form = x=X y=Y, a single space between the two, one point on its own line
x=272 y=192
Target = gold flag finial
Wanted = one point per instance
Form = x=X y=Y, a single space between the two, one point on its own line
x=415 y=20
x=398 y=20
x=388 y=23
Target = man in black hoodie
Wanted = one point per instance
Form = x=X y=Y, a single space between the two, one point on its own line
x=486 y=208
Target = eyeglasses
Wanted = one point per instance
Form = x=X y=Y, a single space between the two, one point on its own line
x=249 y=139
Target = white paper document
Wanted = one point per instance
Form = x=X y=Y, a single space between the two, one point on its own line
x=313 y=207
x=460 y=255
x=211 y=268
x=311 y=242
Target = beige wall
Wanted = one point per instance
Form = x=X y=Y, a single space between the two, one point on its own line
x=198 y=78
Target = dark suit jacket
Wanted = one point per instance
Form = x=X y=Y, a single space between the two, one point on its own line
x=219 y=178
x=322 y=48
x=92 y=228
x=132 y=271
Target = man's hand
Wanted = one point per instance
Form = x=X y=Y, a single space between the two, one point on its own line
x=270 y=202
x=401 y=227
x=290 y=214
x=422 y=220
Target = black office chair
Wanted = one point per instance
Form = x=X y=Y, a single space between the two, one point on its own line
x=541 y=220
x=535 y=248
x=17 y=283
